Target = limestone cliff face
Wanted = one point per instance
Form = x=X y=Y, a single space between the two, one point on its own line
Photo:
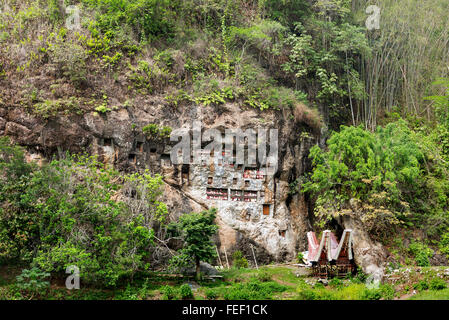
x=253 y=208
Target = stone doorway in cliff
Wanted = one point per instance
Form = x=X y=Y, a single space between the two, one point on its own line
x=266 y=209
x=107 y=142
x=185 y=173
x=139 y=146
x=165 y=160
x=132 y=158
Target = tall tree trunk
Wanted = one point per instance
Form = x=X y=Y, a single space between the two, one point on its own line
x=198 y=270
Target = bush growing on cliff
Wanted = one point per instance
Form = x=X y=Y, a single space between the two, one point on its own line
x=154 y=131
x=148 y=19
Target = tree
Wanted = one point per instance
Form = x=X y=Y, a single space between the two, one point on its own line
x=196 y=229
x=381 y=170
x=74 y=211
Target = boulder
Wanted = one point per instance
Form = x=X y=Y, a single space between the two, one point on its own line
x=370 y=255
x=205 y=268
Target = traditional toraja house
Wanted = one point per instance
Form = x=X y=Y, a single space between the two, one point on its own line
x=329 y=257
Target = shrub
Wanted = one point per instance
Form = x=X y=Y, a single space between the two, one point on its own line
x=263 y=276
x=421 y=285
x=33 y=280
x=444 y=243
x=350 y=292
x=304 y=114
x=51 y=108
x=129 y=294
x=307 y=294
x=147 y=19
x=238 y=260
x=372 y=294
x=185 y=291
x=102 y=109
x=421 y=252
x=211 y=294
x=336 y=283
x=169 y=293
x=387 y=291
x=437 y=284
x=155 y=131
x=300 y=257
x=70 y=60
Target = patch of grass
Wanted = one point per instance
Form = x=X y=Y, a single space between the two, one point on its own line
x=432 y=295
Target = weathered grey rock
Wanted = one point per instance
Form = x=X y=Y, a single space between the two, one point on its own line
x=205 y=269
x=116 y=137
x=368 y=254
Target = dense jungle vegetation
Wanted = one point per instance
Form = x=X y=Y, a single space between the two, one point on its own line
x=380 y=97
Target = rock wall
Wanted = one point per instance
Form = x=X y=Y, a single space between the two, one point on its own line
x=253 y=208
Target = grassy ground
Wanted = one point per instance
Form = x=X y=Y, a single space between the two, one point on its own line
x=432 y=295
x=285 y=282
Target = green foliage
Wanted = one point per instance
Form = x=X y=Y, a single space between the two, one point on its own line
x=33 y=280
x=147 y=19
x=350 y=292
x=253 y=290
x=215 y=97
x=185 y=292
x=441 y=107
x=64 y=213
x=264 y=276
x=300 y=257
x=444 y=243
x=372 y=294
x=338 y=290
x=381 y=173
x=180 y=262
x=169 y=293
x=421 y=252
x=336 y=283
x=54 y=11
x=437 y=284
x=432 y=295
x=211 y=294
x=387 y=291
x=102 y=109
x=421 y=285
x=155 y=131
x=52 y=108
x=238 y=260
x=69 y=57
x=196 y=230
x=112 y=61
